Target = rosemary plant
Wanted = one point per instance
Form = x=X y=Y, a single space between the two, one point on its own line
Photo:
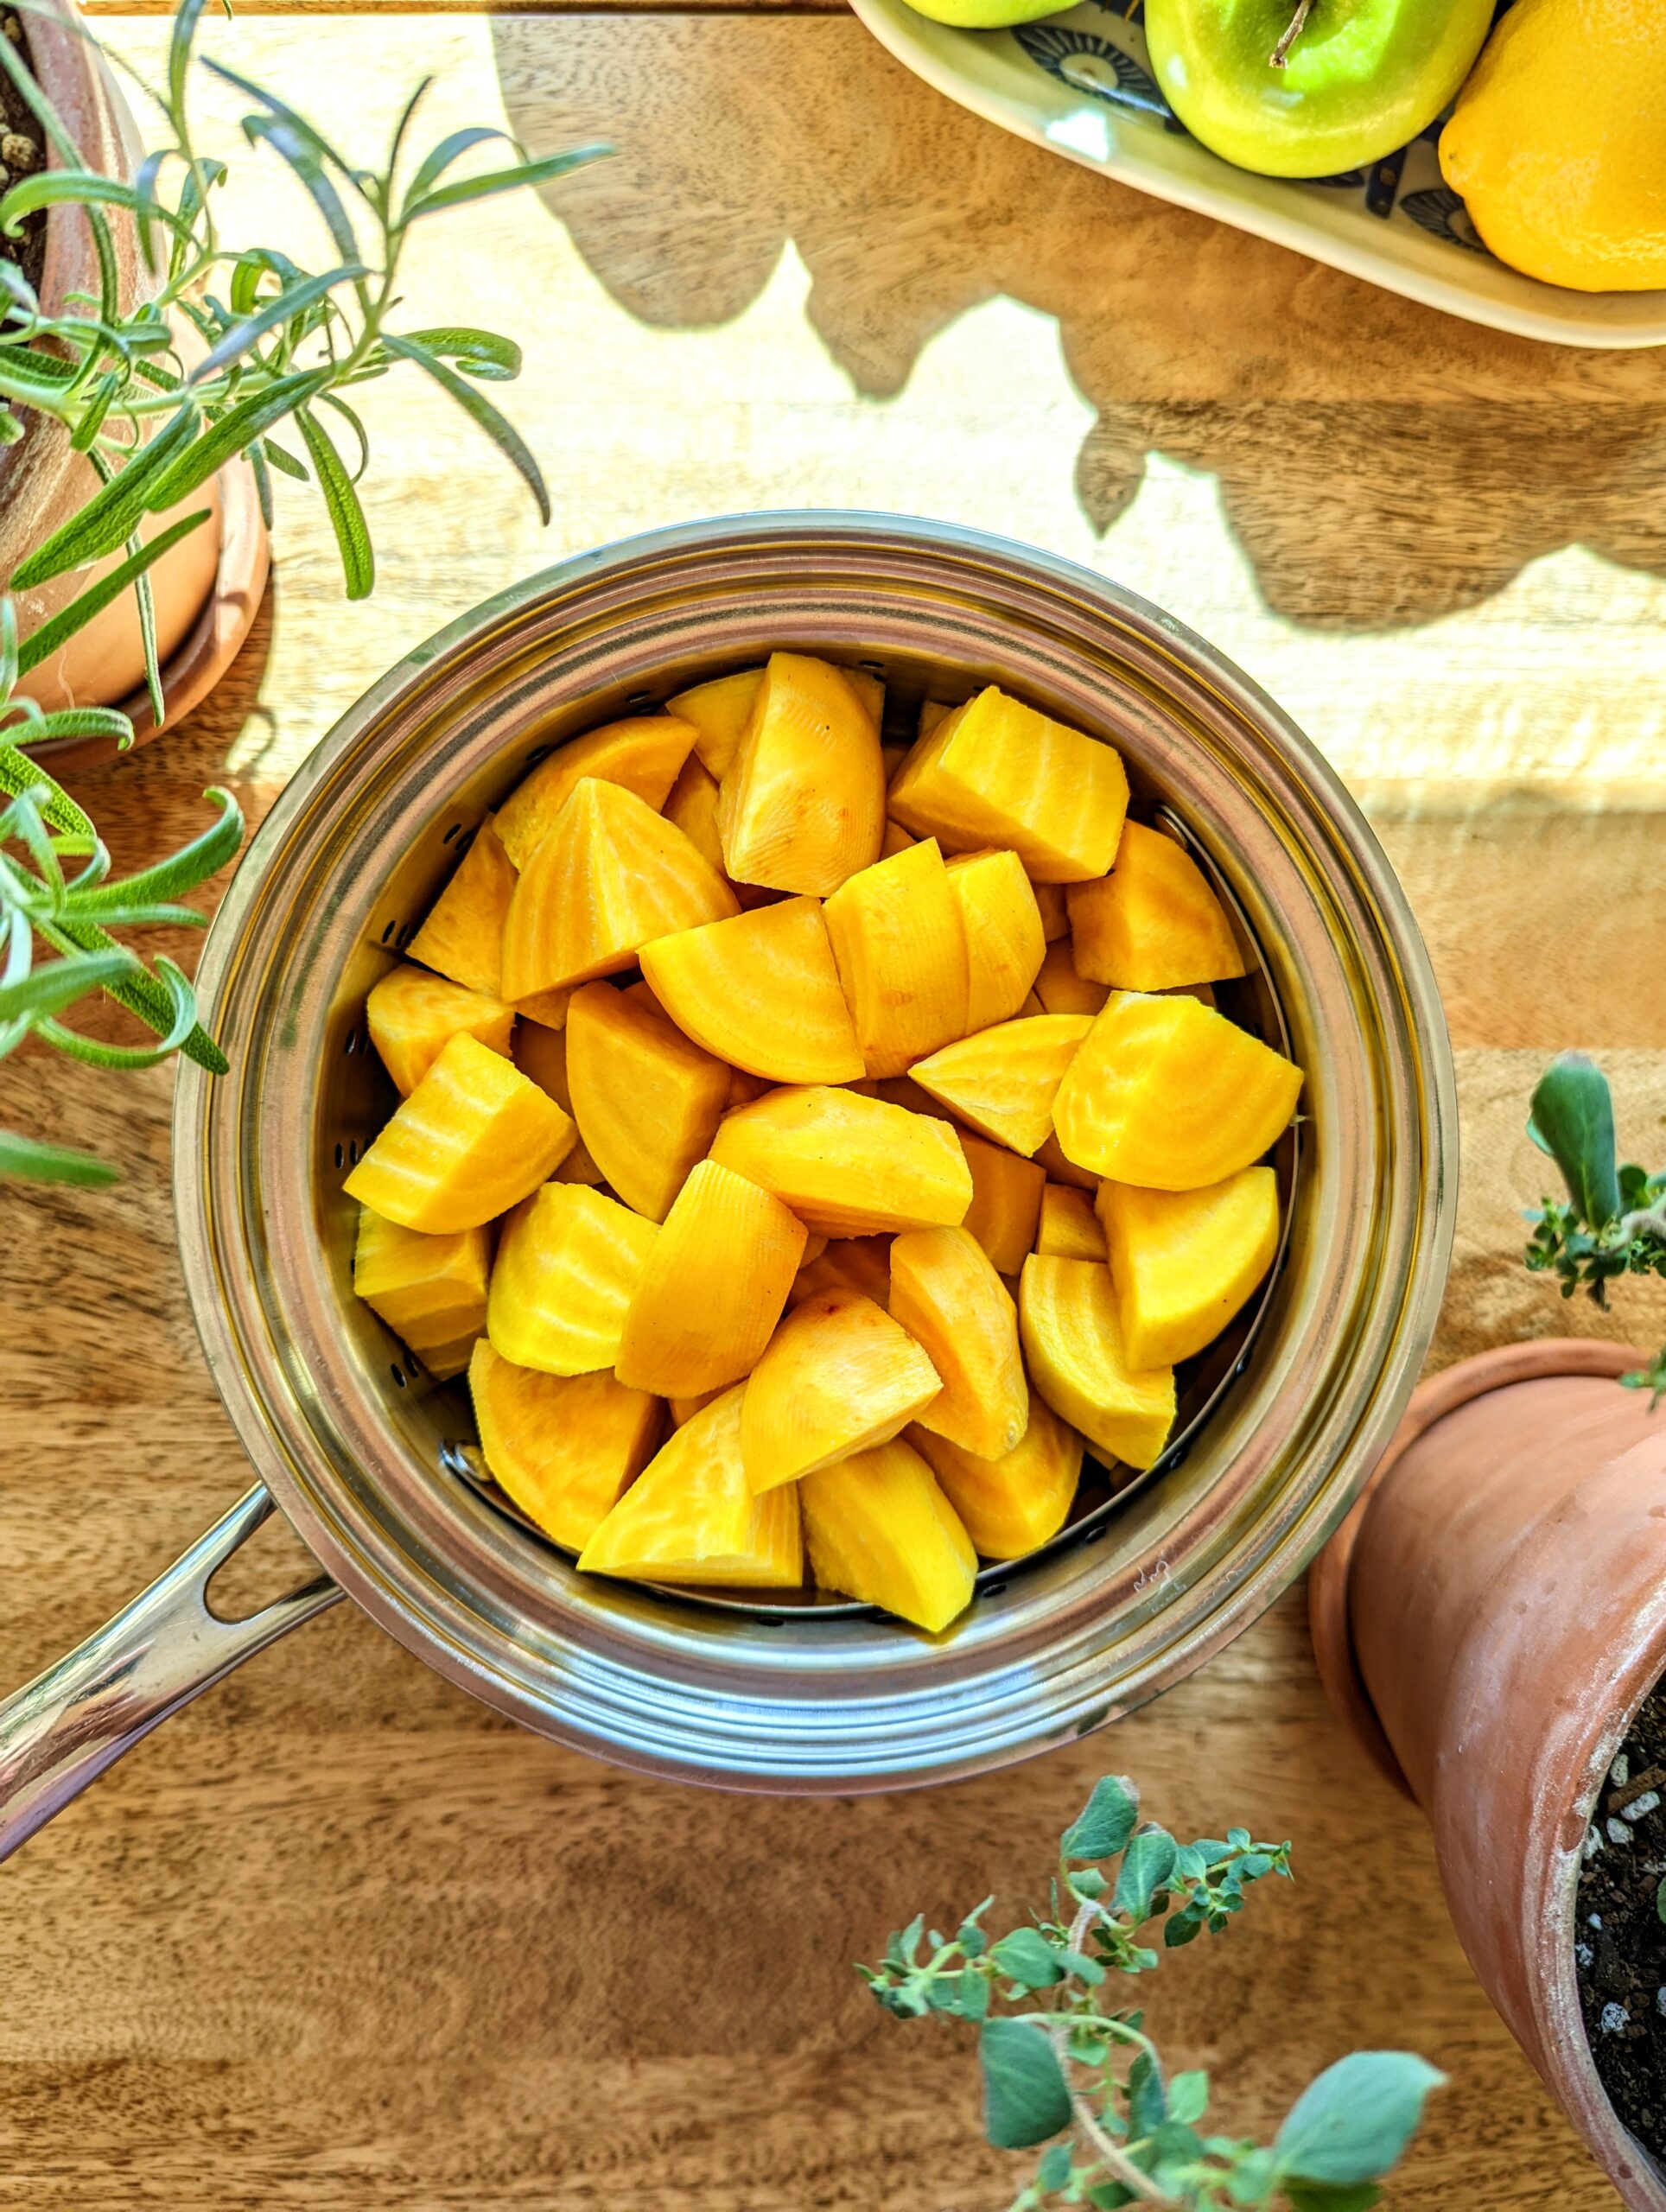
x=1067 y=2063
x=230 y=346
x=1614 y=1222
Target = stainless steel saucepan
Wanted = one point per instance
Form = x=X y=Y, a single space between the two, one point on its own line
x=365 y=1455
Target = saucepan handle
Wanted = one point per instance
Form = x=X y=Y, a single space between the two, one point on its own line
x=60 y=1731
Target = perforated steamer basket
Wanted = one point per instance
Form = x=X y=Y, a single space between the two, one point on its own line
x=358 y=1447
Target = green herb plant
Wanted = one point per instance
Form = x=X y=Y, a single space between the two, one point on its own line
x=1614 y=1221
x=1067 y=2063
x=273 y=346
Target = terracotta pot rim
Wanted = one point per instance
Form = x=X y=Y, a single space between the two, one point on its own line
x=1433 y=1400
x=210 y=646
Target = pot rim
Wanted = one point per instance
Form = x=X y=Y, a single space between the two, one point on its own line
x=1437 y=1395
x=617 y=1672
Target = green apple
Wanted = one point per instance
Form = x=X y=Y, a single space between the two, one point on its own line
x=1358 y=77
x=986 y=15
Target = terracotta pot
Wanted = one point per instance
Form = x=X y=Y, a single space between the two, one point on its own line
x=207 y=589
x=1487 y=1621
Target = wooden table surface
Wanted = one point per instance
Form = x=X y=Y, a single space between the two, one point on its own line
x=337 y=1937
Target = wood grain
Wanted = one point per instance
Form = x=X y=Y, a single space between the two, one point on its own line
x=337 y=1937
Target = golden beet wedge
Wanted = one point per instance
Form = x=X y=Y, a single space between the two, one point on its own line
x=430 y=1290
x=859 y=1263
x=567 y=1265
x=1068 y=1228
x=900 y=946
x=1004 y=944
x=547 y=1008
x=1003 y=1080
x=848 y=1165
x=562 y=1446
x=411 y=1014
x=1169 y=1094
x=802 y=801
x=878 y=1527
x=1050 y=904
x=1061 y=991
x=839 y=1375
x=1153 y=921
x=542 y=1054
x=949 y=1298
x=997 y=772
x=715 y=1286
x=895 y=840
x=472 y=1140
x=760 y=991
x=462 y=937
x=1011 y=1505
x=647 y=1102
x=685 y=1410
x=692 y=807
x=643 y=755
x=1007 y=1193
x=690 y=1517
x=610 y=875
x=1073 y=1342
x=1050 y=1156
x=719 y=711
x=1183 y=1262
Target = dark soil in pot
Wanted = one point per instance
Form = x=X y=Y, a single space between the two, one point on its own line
x=1620 y=1949
x=22 y=150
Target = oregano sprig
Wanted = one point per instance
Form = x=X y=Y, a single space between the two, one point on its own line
x=1614 y=1222
x=1068 y=2065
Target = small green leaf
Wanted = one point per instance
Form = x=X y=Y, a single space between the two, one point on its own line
x=22 y=1160
x=1148 y=2102
x=48 y=990
x=283 y=308
x=45 y=641
x=1147 y=1864
x=342 y=504
x=111 y=515
x=1331 y=2196
x=1660 y=1901
x=480 y=409
x=1026 y=1957
x=1024 y=2096
x=181 y=871
x=1054 y=2172
x=1105 y=1822
x=1188 y=2097
x=1351 y=2124
x=1573 y=1120
x=469 y=189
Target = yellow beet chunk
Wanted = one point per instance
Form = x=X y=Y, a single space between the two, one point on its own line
x=547 y=1008
x=1183 y=1262
x=1073 y=1342
x=1061 y=991
x=762 y=992
x=452 y=1357
x=1169 y=1094
x=1050 y=901
x=1049 y=1155
x=411 y=1014
x=715 y=1286
x=1068 y=1228
x=932 y=712
x=858 y=1263
x=462 y=937
x=646 y=1101
x=1153 y=921
x=949 y=1298
x=901 y=946
x=685 y=1410
x=568 y=1262
x=610 y=875
x=846 y=1165
x=693 y=807
x=562 y=1446
x=1007 y=1195
x=643 y=755
x=802 y=801
x=1003 y=1080
x=689 y=1515
x=719 y=711
x=542 y=1054
x=744 y=1088
x=472 y=1140
x=997 y=772
x=895 y=840
x=1010 y=1505
x=430 y=1290
x=878 y=1527
x=839 y=1375
x=1004 y=944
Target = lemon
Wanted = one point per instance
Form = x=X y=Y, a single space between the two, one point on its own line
x=1558 y=142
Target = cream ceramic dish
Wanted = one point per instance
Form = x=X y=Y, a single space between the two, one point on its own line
x=1080 y=83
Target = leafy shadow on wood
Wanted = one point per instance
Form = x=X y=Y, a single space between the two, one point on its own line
x=1380 y=463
